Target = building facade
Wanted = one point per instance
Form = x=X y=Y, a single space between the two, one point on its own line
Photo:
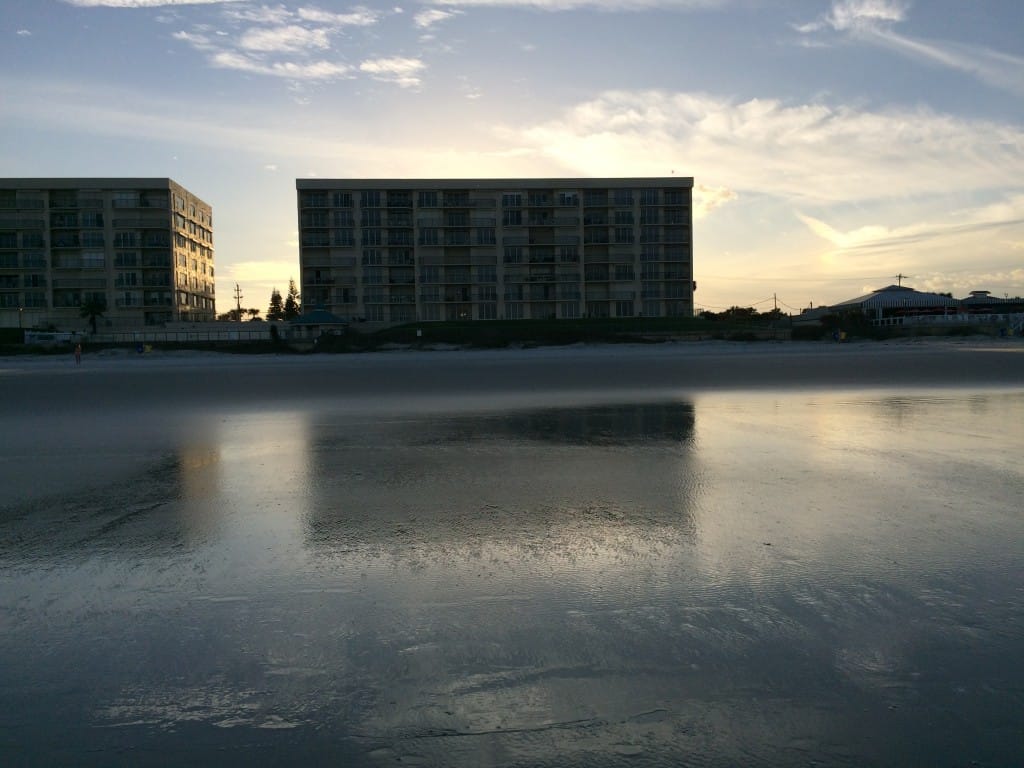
x=399 y=251
x=143 y=247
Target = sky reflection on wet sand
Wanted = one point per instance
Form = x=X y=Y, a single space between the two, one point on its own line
x=761 y=578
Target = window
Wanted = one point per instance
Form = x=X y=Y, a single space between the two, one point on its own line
x=623 y=234
x=372 y=237
x=514 y=311
x=427 y=199
x=430 y=236
x=487 y=293
x=568 y=199
x=512 y=218
x=511 y=200
x=624 y=272
x=623 y=196
x=31 y=239
x=648 y=197
x=650 y=271
x=570 y=310
x=8 y=239
x=568 y=253
x=344 y=238
x=675 y=216
x=485 y=236
x=93 y=260
x=372 y=257
x=92 y=219
x=487 y=312
x=652 y=308
x=430 y=275
x=650 y=234
x=399 y=198
x=513 y=254
x=127 y=278
x=370 y=198
x=487 y=274
x=341 y=200
x=675 y=197
x=35 y=299
x=315 y=218
x=624 y=217
x=130 y=200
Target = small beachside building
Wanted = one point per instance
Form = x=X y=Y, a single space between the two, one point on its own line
x=889 y=305
x=311 y=325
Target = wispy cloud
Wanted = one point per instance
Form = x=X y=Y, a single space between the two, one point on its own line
x=800 y=152
x=23 y=33
x=428 y=18
x=403 y=71
x=873 y=22
x=358 y=17
x=143 y=3
x=605 y=5
x=288 y=43
x=312 y=70
x=284 y=39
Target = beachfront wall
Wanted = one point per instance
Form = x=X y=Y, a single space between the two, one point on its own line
x=392 y=251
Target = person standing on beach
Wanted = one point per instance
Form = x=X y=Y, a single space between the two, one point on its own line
x=78 y=354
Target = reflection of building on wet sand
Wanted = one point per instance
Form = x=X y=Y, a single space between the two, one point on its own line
x=550 y=484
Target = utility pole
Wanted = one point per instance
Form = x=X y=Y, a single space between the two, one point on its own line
x=899 y=279
x=238 y=301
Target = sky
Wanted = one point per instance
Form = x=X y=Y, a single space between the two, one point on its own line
x=836 y=146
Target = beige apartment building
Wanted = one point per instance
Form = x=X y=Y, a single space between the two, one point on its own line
x=144 y=246
x=399 y=251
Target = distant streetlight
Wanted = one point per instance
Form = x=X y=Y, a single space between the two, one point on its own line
x=20 y=311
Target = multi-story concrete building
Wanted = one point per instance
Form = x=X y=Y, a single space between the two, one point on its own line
x=483 y=249
x=142 y=246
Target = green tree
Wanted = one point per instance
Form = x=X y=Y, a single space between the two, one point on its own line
x=276 y=309
x=93 y=309
x=292 y=308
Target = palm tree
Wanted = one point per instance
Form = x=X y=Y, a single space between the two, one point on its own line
x=93 y=309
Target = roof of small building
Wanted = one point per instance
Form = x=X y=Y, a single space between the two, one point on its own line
x=898 y=296
x=318 y=316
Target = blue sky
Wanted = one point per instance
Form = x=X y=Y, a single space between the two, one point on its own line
x=834 y=143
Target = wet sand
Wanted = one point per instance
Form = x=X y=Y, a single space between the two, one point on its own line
x=708 y=554
x=214 y=380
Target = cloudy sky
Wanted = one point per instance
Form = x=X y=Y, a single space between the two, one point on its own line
x=835 y=144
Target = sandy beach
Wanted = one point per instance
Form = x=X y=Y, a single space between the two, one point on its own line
x=205 y=379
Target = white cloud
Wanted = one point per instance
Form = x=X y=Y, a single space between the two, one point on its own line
x=432 y=16
x=23 y=33
x=315 y=70
x=605 y=5
x=262 y=15
x=855 y=14
x=284 y=39
x=358 y=17
x=1007 y=212
x=143 y=3
x=799 y=152
x=399 y=70
x=707 y=199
